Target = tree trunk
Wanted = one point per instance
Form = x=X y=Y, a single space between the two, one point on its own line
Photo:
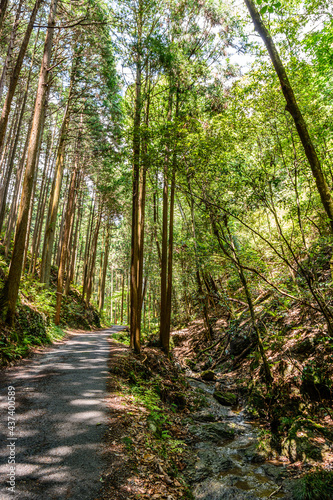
x=11 y=288
x=91 y=269
x=16 y=194
x=294 y=110
x=3 y=8
x=105 y=267
x=70 y=276
x=87 y=248
x=7 y=174
x=54 y=203
x=135 y=326
x=10 y=47
x=17 y=69
x=64 y=248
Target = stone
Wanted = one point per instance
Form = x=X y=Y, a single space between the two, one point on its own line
x=225 y=398
x=301 y=448
x=239 y=342
x=204 y=416
x=252 y=455
x=216 y=431
x=212 y=489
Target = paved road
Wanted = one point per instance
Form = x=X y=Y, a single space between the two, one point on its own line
x=61 y=417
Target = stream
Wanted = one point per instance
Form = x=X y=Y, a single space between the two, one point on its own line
x=227 y=464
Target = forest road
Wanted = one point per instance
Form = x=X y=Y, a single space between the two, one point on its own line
x=60 y=418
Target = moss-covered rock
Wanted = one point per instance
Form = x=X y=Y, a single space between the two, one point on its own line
x=225 y=398
x=301 y=448
x=216 y=431
x=208 y=375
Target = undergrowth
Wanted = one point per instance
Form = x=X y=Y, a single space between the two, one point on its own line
x=317 y=485
x=35 y=311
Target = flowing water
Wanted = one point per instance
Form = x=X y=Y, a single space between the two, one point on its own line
x=228 y=465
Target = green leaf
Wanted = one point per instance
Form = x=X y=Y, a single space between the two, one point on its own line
x=264 y=9
x=259 y=2
x=271 y=10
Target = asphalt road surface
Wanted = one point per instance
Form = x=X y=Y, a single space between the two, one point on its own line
x=60 y=419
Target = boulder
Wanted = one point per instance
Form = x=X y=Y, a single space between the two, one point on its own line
x=212 y=489
x=226 y=398
x=216 y=431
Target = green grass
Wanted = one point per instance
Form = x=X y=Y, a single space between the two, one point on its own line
x=316 y=485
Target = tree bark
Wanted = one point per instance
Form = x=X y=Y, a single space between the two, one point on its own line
x=17 y=69
x=3 y=9
x=11 y=288
x=294 y=110
x=64 y=248
x=135 y=326
x=105 y=267
x=91 y=269
x=54 y=203
x=70 y=276
x=10 y=47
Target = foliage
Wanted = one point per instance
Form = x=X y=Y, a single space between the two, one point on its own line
x=317 y=485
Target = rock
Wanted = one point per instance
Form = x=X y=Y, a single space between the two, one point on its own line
x=225 y=398
x=216 y=431
x=152 y=427
x=240 y=342
x=252 y=455
x=209 y=462
x=204 y=416
x=301 y=448
x=208 y=375
x=212 y=489
x=274 y=472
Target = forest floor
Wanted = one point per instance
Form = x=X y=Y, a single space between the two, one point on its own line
x=96 y=421
x=295 y=414
x=145 y=445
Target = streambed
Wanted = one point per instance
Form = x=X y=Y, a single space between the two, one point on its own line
x=227 y=464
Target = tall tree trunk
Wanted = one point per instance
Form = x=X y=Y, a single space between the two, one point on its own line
x=167 y=314
x=122 y=298
x=64 y=248
x=17 y=69
x=74 y=249
x=44 y=190
x=92 y=262
x=170 y=256
x=17 y=190
x=7 y=173
x=39 y=145
x=11 y=288
x=164 y=253
x=54 y=203
x=87 y=247
x=105 y=267
x=294 y=110
x=3 y=8
x=135 y=326
x=10 y=47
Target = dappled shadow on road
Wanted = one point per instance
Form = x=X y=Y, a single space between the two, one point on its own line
x=61 y=416
x=120 y=481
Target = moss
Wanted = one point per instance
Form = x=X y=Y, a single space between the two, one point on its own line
x=225 y=398
x=208 y=375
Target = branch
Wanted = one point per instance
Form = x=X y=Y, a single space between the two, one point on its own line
x=70 y=25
